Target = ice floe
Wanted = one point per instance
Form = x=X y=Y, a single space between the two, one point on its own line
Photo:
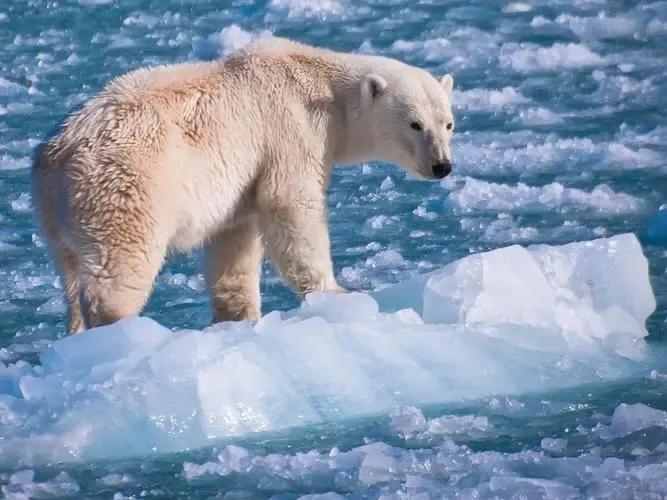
x=507 y=321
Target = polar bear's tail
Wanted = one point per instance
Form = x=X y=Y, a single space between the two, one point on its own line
x=48 y=201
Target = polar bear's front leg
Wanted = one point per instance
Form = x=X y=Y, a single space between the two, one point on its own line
x=296 y=239
x=232 y=268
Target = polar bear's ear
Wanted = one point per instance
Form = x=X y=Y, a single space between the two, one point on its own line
x=447 y=82
x=372 y=86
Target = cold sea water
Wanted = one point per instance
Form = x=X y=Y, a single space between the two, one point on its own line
x=526 y=372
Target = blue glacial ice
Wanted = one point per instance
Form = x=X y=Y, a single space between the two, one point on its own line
x=510 y=321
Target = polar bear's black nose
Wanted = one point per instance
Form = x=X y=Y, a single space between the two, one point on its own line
x=442 y=170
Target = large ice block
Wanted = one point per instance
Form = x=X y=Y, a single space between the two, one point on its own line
x=503 y=322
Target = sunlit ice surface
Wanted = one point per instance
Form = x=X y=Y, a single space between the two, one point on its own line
x=454 y=372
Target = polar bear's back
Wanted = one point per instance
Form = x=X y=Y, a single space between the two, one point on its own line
x=189 y=74
x=282 y=46
x=163 y=77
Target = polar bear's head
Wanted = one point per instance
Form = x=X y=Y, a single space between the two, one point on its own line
x=405 y=117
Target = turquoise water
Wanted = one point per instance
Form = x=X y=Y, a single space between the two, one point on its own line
x=561 y=137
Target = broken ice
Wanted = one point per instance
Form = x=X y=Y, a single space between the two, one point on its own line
x=508 y=321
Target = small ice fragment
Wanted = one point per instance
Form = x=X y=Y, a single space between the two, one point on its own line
x=407 y=420
x=178 y=279
x=55 y=305
x=116 y=479
x=386 y=259
x=387 y=184
x=22 y=203
x=377 y=466
x=631 y=418
x=553 y=445
x=515 y=7
x=530 y=58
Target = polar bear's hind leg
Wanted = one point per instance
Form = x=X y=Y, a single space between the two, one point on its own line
x=233 y=265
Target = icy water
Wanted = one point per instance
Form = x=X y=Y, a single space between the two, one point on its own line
x=561 y=137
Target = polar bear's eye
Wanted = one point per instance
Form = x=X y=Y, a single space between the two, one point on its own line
x=415 y=126
x=449 y=126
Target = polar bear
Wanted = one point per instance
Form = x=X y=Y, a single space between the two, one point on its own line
x=234 y=155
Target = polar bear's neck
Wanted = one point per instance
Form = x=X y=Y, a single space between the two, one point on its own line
x=332 y=80
x=353 y=135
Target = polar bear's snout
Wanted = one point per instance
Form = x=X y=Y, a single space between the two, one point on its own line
x=442 y=170
x=440 y=163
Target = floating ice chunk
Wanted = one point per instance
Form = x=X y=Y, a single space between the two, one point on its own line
x=116 y=479
x=387 y=184
x=8 y=162
x=380 y=222
x=622 y=91
x=506 y=321
x=568 y=289
x=178 y=279
x=531 y=58
x=632 y=418
x=656 y=28
x=528 y=487
x=604 y=27
x=19 y=108
x=308 y=9
x=55 y=305
x=230 y=39
x=656 y=375
x=488 y=196
x=197 y=283
x=377 y=466
x=322 y=496
x=462 y=48
x=407 y=420
x=553 y=445
x=514 y=7
x=451 y=425
x=143 y=19
x=399 y=472
x=10 y=376
x=524 y=152
x=422 y=211
x=22 y=486
x=539 y=116
x=410 y=423
x=505 y=229
x=234 y=38
x=488 y=100
x=22 y=203
x=8 y=88
x=385 y=259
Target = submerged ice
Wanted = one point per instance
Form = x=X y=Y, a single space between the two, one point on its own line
x=508 y=321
